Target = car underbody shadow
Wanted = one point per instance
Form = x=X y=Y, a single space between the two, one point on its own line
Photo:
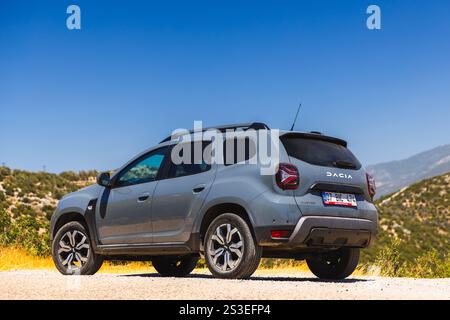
x=255 y=278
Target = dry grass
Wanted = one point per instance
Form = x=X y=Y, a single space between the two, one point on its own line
x=17 y=259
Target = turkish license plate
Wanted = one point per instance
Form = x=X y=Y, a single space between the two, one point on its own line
x=339 y=199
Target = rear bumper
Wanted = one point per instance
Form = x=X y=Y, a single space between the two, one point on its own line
x=320 y=231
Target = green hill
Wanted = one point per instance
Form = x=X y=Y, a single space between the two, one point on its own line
x=27 y=201
x=37 y=193
x=418 y=217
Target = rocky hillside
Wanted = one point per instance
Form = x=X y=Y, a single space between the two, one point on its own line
x=418 y=216
x=36 y=194
x=394 y=175
x=27 y=201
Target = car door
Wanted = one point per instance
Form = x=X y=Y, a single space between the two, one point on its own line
x=177 y=198
x=125 y=208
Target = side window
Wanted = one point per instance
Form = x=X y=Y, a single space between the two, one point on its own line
x=237 y=150
x=144 y=170
x=187 y=169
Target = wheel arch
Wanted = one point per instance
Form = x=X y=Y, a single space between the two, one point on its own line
x=221 y=208
x=66 y=218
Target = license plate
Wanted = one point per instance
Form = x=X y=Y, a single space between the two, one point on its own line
x=339 y=199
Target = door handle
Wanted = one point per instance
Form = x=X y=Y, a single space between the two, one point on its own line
x=143 y=197
x=199 y=188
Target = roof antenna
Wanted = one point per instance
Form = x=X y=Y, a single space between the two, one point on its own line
x=296 y=115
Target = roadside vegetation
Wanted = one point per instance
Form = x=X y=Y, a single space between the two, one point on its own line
x=414 y=238
x=389 y=262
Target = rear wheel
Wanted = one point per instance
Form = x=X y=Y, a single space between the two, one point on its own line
x=335 y=265
x=72 y=251
x=230 y=250
x=175 y=266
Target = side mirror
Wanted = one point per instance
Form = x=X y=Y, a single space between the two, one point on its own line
x=104 y=179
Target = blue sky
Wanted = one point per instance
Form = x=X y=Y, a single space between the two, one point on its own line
x=93 y=98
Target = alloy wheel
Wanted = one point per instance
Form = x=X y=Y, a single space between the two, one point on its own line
x=73 y=250
x=225 y=247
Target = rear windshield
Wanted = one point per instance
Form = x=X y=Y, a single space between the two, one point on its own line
x=319 y=152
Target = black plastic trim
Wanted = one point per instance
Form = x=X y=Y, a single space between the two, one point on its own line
x=333 y=187
x=89 y=216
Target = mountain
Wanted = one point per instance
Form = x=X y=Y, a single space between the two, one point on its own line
x=419 y=216
x=392 y=176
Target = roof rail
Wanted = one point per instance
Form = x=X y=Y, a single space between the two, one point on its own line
x=223 y=128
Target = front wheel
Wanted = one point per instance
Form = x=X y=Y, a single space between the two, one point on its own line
x=230 y=249
x=72 y=251
x=175 y=266
x=335 y=265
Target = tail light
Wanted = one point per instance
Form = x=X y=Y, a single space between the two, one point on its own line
x=287 y=176
x=372 y=188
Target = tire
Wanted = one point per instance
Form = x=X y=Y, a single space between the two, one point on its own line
x=235 y=254
x=175 y=266
x=72 y=251
x=336 y=265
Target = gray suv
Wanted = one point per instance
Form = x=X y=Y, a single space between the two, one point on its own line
x=317 y=206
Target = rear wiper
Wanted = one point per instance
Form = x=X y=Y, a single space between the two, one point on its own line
x=344 y=164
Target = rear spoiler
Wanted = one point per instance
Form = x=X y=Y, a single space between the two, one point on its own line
x=316 y=136
x=244 y=126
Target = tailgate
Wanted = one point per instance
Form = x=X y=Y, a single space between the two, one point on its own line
x=327 y=166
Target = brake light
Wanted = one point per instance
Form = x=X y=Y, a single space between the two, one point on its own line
x=371 y=186
x=280 y=234
x=287 y=176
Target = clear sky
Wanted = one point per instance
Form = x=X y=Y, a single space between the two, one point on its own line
x=93 y=98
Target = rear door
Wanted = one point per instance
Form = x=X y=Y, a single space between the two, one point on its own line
x=178 y=197
x=326 y=165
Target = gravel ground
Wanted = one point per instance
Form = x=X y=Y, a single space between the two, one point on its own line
x=39 y=284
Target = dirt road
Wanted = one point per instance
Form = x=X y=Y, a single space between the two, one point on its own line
x=50 y=285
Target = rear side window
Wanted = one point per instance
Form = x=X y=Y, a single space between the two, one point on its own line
x=183 y=169
x=188 y=169
x=319 y=152
x=237 y=150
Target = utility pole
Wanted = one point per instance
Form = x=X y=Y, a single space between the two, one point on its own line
x=44 y=167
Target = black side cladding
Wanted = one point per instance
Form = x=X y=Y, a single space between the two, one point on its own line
x=89 y=216
x=104 y=202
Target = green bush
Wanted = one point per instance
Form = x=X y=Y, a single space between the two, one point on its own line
x=26 y=232
x=428 y=265
x=23 y=210
x=389 y=260
x=4 y=171
x=48 y=210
